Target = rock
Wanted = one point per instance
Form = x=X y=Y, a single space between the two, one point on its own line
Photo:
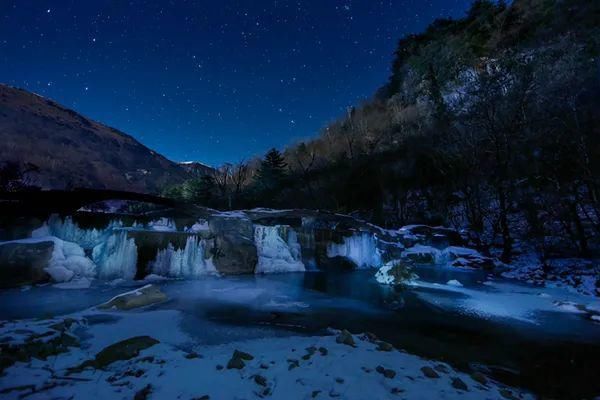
x=237 y=360
x=442 y=368
x=323 y=351
x=397 y=391
x=479 y=377
x=235 y=363
x=260 y=380
x=420 y=254
x=507 y=394
x=429 y=372
x=192 y=355
x=384 y=346
x=141 y=297
x=346 y=338
x=293 y=363
x=205 y=397
x=388 y=373
x=143 y=393
x=243 y=355
x=123 y=350
x=457 y=383
x=233 y=246
x=219 y=367
x=339 y=380
x=315 y=393
x=24 y=263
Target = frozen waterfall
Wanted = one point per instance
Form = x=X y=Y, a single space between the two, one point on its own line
x=278 y=249
x=189 y=262
x=116 y=257
x=69 y=231
x=360 y=248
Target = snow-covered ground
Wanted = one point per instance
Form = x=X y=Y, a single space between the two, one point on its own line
x=280 y=368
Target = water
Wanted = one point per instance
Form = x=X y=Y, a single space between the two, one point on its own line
x=514 y=331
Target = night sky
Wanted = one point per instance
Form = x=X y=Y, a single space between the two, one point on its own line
x=212 y=81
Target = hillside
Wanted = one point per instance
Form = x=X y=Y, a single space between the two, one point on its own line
x=488 y=123
x=69 y=150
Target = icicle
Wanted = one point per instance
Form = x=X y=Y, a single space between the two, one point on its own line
x=189 y=262
x=360 y=248
x=278 y=249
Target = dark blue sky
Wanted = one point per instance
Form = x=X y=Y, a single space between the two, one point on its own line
x=213 y=81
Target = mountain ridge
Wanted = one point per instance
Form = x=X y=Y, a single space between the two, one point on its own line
x=72 y=150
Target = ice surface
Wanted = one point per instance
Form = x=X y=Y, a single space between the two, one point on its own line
x=189 y=262
x=278 y=249
x=360 y=248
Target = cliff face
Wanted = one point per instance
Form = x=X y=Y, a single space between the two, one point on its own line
x=71 y=150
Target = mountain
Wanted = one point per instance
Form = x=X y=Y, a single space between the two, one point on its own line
x=69 y=150
x=197 y=169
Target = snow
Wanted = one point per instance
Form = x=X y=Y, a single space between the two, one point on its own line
x=200 y=226
x=116 y=257
x=454 y=282
x=278 y=249
x=360 y=248
x=78 y=283
x=340 y=371
x=189 y=262
x=162 y=225
x=383 y=276
x=502 y=300
x=423 y=251
x=68 y=259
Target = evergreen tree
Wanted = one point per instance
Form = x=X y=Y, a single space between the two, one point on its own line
x=272 y=171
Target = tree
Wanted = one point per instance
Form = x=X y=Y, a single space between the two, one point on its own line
x=272 y=171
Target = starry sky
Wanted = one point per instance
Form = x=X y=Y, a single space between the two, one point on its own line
x=214 y=81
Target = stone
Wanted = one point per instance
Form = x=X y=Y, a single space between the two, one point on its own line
x=346 y=338
x=458 y=383
x=479 y=377
x=384 y=346
x=388 y=373
x=442 y=368
x=143 y=393
x=507 y=394
x=123 y=350
x=323 y=351
x=260 y=380
x=429 y=372
x=24 y=263
x=147 y=295
x=232 y=246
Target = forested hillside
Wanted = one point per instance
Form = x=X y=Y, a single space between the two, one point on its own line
x=489 y=123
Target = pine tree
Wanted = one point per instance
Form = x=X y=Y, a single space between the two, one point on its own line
x=272 y=171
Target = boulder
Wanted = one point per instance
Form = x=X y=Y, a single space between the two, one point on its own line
x=421 y=254
x=123 y=350
x=23 y=263
x=233 y=246
x=141 y=297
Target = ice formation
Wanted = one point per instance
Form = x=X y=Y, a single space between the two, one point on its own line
x=360 y=248
x=116 y=257
x=189 y=262
x=71 y=232
x=278 y=249
x=163 y=225
x=68 y=260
